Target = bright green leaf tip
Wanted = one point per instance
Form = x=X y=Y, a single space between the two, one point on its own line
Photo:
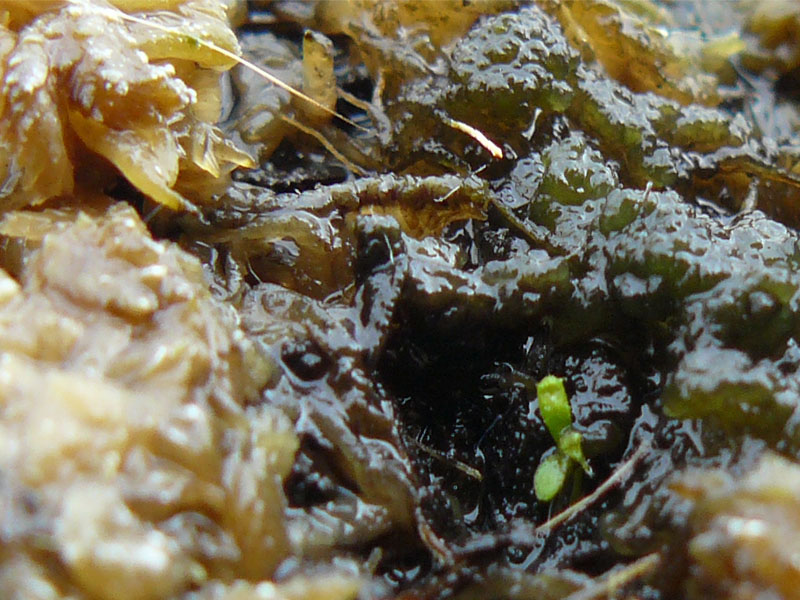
x=554 y=405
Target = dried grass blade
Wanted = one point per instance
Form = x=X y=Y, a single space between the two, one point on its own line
x=324 y=141
x=584 y=502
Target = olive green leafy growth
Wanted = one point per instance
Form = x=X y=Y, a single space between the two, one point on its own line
x=552 y=472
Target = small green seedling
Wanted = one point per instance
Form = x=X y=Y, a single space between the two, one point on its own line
x=552 y=472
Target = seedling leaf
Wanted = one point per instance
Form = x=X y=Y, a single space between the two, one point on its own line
x=550 y=476
x=554 y=405
x=570 y=444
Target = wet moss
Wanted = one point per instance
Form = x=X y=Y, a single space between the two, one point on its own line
x=531 y=210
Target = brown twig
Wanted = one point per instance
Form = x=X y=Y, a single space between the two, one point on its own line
x=584 y=502
x=606 y=585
